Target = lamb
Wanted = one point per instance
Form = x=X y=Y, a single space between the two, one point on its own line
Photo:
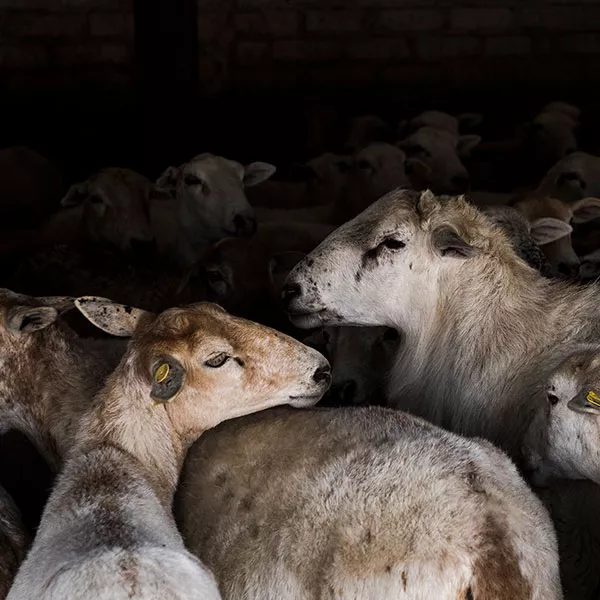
x=483 y=331
x=362 y=503
x=244 y=275
x=562 y=443
x=572 y=178
x=441 y=120
x=51 y=375
x=375 y=170
x=14 y=541
x=550 y=220
x=434 y=159
x=367 y=130
x=107 y=530
x=209 y=204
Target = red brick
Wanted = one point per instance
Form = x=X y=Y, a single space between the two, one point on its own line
x=333 y=21
x=562 y=18
x=275 y=23
x=411 y=20
x=508 y=45
x=116 y=53
x=377 y=49
x=251 y=53
x=112 y=24
x=23 y=56
x=438 y=48
x=51 y=25
x=93 y=4
x=214 y=25
x=584 y=43
x=293 y=50
x=475 y=19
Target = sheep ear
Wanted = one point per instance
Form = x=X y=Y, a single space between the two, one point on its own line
x=587 y=401
x=548 y=229
x=116 y=319
x=27 y=319
x=466 y=143
x=257 y=172
x=167 y=180
x=449 y=243
x=167 y=380
x=75 y=196
x=470 y=120
x=585 y=210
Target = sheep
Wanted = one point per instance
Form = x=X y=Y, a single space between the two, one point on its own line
x=107 y=530
x=563 y=107
x=376 y=169
x=366 y=130
x=434 y=159
x=572 y=178
x=50 y=374
x=14 y=541
x=209 y=204
x=550 y=220
x=245 y=275
x=362 y=503
x=441 y=120
x=322 y=181
x=109 y=208
x=482 y=329
x=524 y=237
x=360 y=359
x=561 y=442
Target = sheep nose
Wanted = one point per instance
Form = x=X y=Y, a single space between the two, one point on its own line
x=322 y=374
x=244 y=225
x=290 y=292
x=461 y=182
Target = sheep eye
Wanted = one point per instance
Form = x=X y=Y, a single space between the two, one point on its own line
x=192 y=180
x=363 y=164
x=390 y=335
x=393 y=244
x=215 y=276
x=217 y=361
x=96 y=199
x=553 y=399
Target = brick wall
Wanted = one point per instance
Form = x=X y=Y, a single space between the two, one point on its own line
x=59 y=42
x=285 y=43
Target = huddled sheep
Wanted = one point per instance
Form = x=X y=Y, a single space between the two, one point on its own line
x=372 y=372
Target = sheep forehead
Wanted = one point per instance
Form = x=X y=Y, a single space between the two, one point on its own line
x=126 y=189
x=211 y=166
x=417 y=210
x=378 y=150
x=430 y=137
x=546 y=206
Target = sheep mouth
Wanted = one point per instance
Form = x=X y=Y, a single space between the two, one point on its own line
x=305 y=401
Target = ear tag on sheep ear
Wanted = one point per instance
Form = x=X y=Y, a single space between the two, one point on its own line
x=585 y=402
x=168 y=380
x=593 y=398
x=162 y=373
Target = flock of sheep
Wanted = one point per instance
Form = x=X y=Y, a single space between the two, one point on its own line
x=448 y=280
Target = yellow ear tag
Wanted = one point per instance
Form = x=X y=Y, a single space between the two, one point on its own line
x=593 y=398
x=163 y=372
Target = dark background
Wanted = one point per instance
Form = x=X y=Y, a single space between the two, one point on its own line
x=148 y=83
